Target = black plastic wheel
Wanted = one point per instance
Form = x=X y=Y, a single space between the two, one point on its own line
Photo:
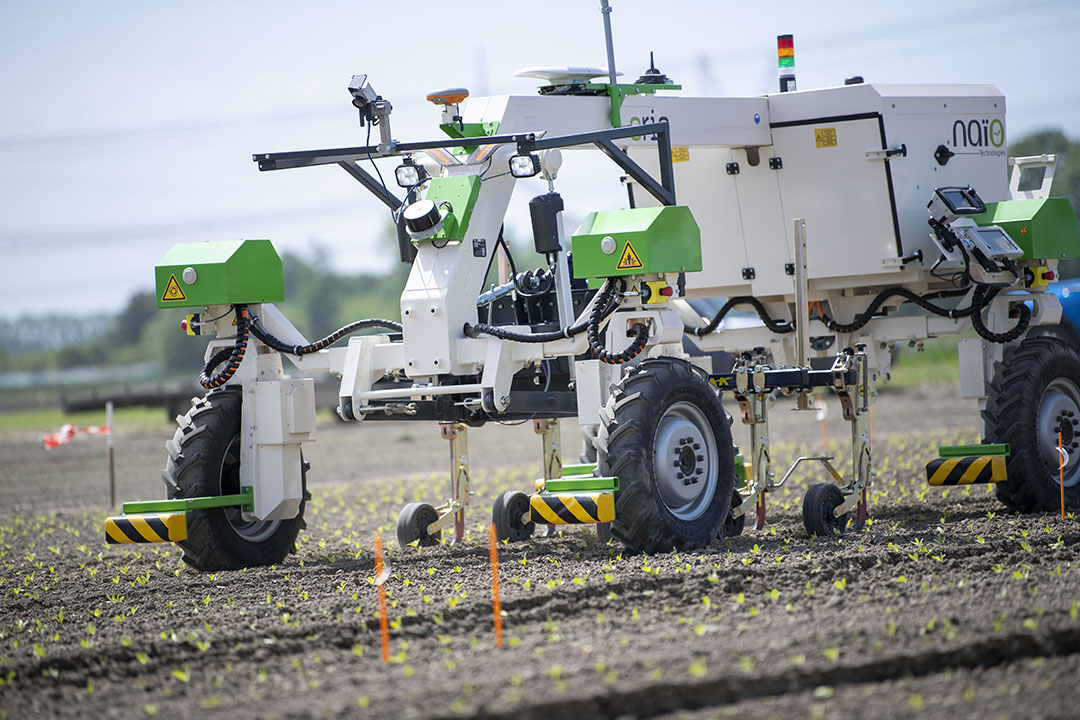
x=666 y=437
x=733 y=526
x=1035 y=394
x=817 y=511
x=506 y=513
x=412 y=524
x=204 y=460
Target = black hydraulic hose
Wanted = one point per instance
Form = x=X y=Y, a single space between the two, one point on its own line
x=605 y=301
x=232 y=357
x=275 y=344
x=980 y=299
x=776 y=326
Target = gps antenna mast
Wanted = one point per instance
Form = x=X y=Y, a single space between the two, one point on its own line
x=605 y=8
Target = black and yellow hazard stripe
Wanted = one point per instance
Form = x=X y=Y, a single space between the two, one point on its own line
x=572 y=508
x=146 y=528
x=968 y=470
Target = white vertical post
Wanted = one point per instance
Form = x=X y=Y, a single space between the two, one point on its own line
x=802 y=307
x=110 y=454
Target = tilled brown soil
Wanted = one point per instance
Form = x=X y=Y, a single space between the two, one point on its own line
x=945 y=606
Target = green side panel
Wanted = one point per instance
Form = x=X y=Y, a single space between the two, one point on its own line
x=245 y=500
x=1044 y=228
x=582 y=483
x=648 y=240
x=227 y=272
x=951 y=451
x=460 y=193
x=584 y=469
x=468 y=130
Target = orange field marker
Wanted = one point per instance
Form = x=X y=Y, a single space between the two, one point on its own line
x=1061 y=475
x=496 y=606
x=380 y=581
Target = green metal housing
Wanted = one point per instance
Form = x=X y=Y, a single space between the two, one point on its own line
x=460 y=193
x=663 y=239
x=245 y=500
x=226 y=272
x=1044 y=228
x=951 y=451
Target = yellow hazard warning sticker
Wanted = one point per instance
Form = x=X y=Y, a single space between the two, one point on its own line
x=1023 y=230
x=825 y=137
x=173 y=292
x=629 y=259
x=680 y=154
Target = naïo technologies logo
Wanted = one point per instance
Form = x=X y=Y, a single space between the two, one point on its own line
x=984 y=136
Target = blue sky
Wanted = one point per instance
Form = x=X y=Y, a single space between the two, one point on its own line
x=126 y=127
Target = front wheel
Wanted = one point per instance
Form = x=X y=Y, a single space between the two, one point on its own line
x=818 y=511
x=204 y=461
x=667 y=439
x=1033 y=398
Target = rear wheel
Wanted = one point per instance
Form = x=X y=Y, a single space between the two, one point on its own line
x=667 y=438
x=1034 y=397
x=204 y=461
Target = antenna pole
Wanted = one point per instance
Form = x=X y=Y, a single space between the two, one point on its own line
x=605 y=9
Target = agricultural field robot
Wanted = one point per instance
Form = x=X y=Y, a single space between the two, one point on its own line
x=846 y=218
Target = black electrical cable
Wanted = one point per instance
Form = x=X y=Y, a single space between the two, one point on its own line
x=275 y=344
x=606 y=300
x=640 y=331
x=863 y=318
x=232 y=357
x=981 y=298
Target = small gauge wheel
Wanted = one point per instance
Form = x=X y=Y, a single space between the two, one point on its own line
x=507 y=512
x=818 y=511
x=733 y=526
x=413 y=522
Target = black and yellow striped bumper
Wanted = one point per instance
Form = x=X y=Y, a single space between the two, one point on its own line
x=146 y=528
x=572 y=508
x=968 y=470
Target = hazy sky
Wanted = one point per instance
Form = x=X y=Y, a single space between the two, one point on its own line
x=126 y=127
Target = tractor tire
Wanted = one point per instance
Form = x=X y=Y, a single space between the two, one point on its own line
x=204 y=461
x=1035 y=394
x=666 y=436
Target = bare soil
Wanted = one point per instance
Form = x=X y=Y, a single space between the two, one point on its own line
x=945 y=605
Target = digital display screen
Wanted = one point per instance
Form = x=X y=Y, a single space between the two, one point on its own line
x=959 y=201
x=997 y=241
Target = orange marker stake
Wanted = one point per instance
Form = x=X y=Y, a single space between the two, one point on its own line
x=496 y=606
x=380 y=581
x=1061 y=474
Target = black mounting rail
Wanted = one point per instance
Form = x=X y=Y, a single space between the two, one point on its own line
x=349 y=158
x=786 y=379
